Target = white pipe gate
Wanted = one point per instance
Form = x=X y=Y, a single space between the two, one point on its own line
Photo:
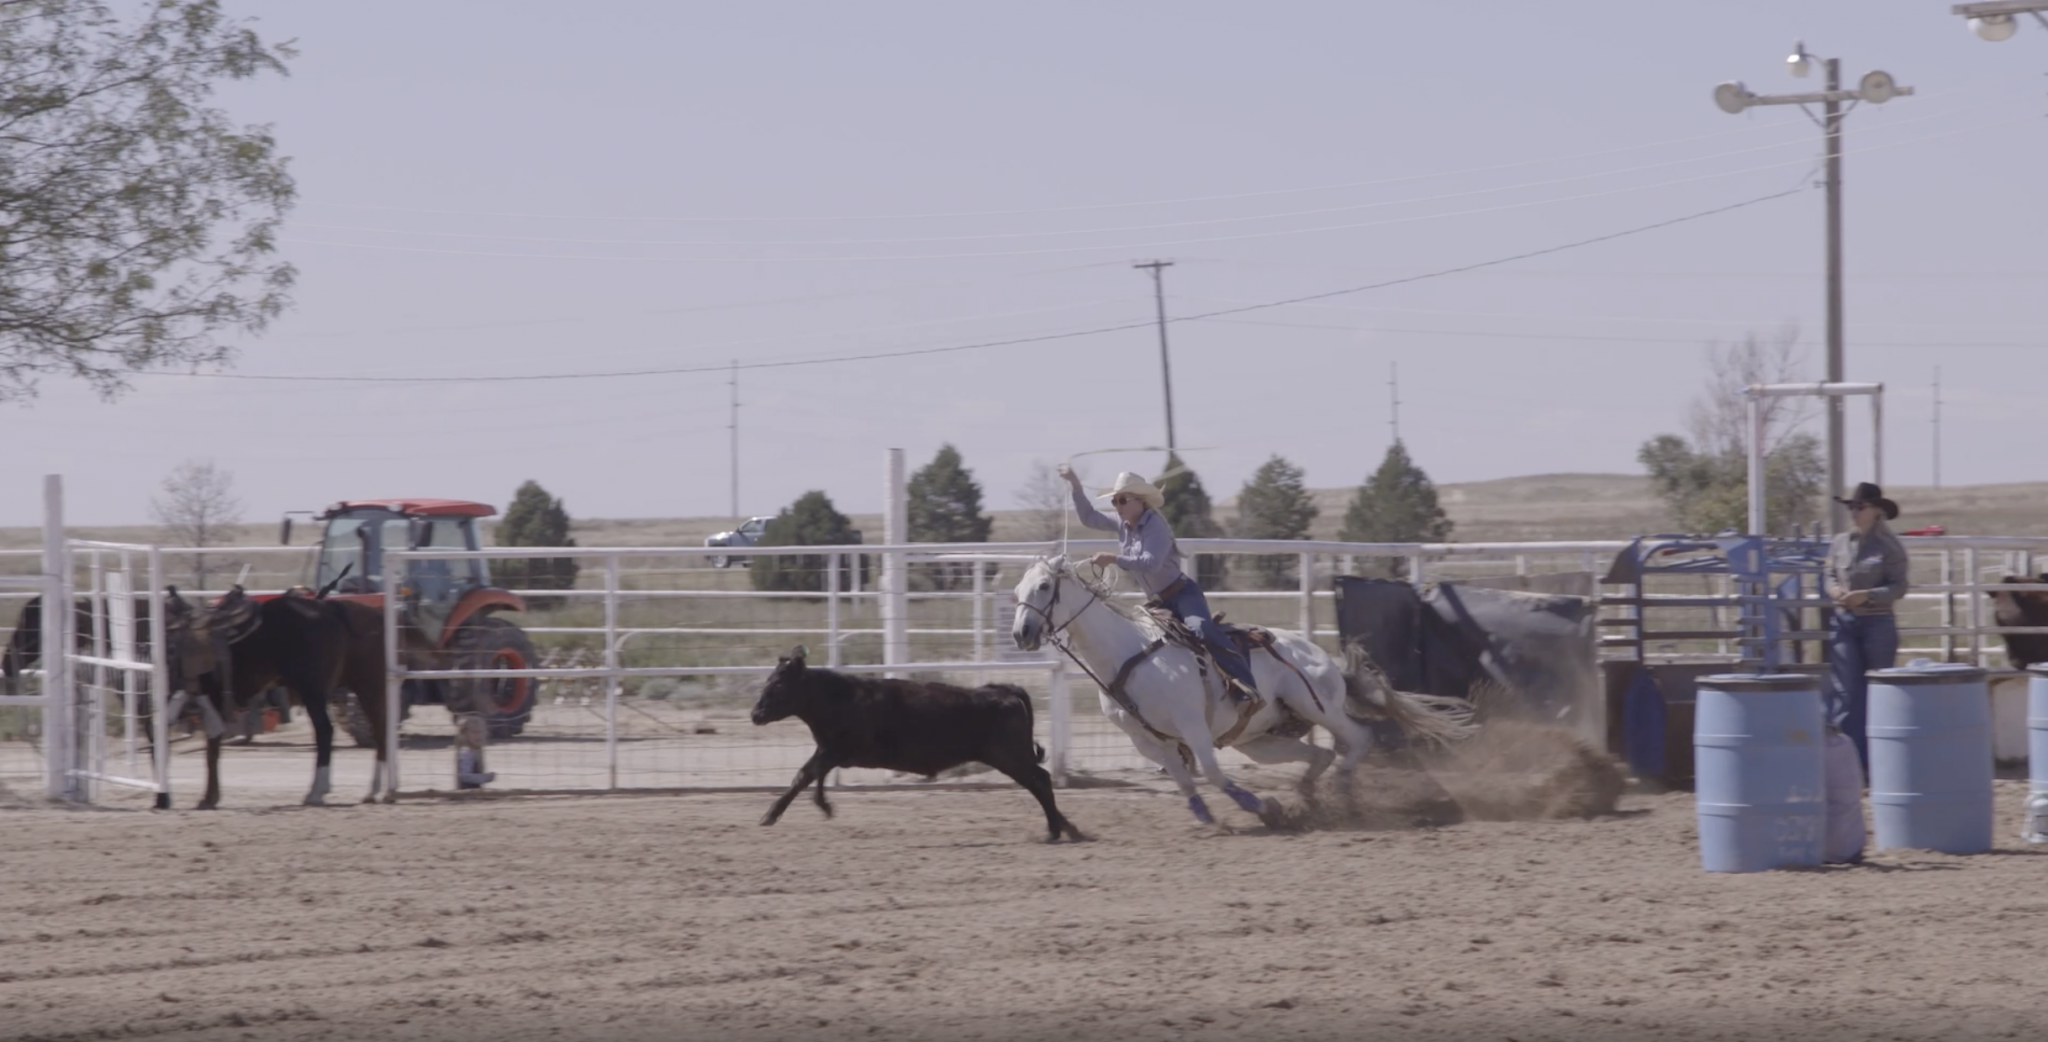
x=93 y=698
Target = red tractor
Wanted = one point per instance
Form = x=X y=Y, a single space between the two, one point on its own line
x=451 y=603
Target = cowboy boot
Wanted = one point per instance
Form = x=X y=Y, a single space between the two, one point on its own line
x=1248 y=705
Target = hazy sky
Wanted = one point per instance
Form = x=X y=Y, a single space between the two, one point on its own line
x=493 y=189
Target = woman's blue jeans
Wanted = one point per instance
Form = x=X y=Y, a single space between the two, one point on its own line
x=1193 y=609
x=1857 y=644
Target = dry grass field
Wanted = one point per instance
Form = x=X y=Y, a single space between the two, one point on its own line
x=1536 y=507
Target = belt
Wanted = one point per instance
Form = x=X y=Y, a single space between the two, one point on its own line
x=1172 y=590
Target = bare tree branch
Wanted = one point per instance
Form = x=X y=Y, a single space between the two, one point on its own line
x=198 y=507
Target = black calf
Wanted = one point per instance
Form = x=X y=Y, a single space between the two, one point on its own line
x=903 y=725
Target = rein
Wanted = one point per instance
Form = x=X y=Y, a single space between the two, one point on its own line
x=1115 y=688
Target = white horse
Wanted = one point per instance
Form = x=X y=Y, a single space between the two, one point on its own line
x=1174 y=711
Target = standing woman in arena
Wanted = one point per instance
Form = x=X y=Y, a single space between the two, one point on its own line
x=1866 y=579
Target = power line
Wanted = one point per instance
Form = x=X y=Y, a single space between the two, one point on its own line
x=1025 y=212
x=1127 y=247
x=1013 y=341
x=1597 y=337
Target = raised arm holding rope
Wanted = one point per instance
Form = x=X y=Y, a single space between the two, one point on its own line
x=1147 y=550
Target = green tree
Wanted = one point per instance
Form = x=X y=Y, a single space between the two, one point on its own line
x=810 y=521
x=1275 y=504
x=1397 y=504
x=1709 y=492
x=535 y=519
x=1704 y=479
x=1189 y=513
x=139 y=222
x=945 y=507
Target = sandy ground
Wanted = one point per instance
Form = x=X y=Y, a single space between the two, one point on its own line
x=942 y=915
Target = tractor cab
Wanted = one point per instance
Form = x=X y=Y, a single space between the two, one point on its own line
x=450 y=602
x=355 y=535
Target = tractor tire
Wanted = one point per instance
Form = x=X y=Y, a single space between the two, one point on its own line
x=347 y=711
x=495 y=643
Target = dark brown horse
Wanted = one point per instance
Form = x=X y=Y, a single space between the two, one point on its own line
x=238 y=649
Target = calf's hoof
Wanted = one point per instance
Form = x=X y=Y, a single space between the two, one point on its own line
x=206 y=805
x=769 y=819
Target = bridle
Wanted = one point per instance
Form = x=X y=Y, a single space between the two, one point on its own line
x=1053 y=630
x=1113 y=688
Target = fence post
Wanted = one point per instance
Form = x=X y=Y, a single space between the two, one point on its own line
x=980 y=610
x=1976 y=605
x=1308 y=596
x=159 y=681
x=895 y=589
x=1417 y=571
x=394 y=681
x=832 y=607
x=611 y=662
x=1060 y=728
x=59 y=750
x=1948 y=610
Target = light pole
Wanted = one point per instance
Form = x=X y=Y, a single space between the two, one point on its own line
x=1998 y=20
x=1875 y=88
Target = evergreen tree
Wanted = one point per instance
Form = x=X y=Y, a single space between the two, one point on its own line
x=1188 y=512
x=1397 y=504
x=535 y=519
x=810 y=521
x=945 y=507
x=1275 y=504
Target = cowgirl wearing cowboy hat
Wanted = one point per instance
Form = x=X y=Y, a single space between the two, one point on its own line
x=1865 y=577
x=1146 y=549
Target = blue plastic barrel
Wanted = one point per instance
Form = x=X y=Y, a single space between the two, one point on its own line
x=1930 y=758
x=1759 y=771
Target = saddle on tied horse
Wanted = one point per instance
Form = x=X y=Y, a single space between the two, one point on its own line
x=1247 y=639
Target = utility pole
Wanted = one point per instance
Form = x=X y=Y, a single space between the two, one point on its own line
x=734 y=427
x=1876 y=87
x=1937 y=427
x=1394 y=396
x=1838 y=515
x=1165 y=364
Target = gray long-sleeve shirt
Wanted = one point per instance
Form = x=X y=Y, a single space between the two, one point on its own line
x=1872 y=561
x=1146 y=549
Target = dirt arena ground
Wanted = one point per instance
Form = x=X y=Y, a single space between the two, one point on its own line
x=942 y=915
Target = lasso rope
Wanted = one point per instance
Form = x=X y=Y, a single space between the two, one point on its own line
x=1110 y=581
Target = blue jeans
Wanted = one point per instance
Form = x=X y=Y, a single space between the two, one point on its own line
x=1856 y=645
x=1193 y=609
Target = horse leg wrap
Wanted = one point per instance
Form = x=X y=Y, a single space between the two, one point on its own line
x=1201 y=810
x=215 y=726
x=1245 y=799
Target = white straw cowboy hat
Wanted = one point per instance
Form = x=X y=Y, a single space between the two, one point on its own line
x=1139 y=487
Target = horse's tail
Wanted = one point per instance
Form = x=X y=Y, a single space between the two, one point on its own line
x=1368 y=696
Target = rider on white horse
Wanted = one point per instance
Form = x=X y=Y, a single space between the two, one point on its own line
x=1147 y=550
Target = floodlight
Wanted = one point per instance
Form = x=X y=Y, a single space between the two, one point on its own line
x=1994 y=27
x=1799 y=63
x=1877 y=87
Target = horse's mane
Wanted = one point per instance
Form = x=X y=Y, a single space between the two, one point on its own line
x=1107 y=595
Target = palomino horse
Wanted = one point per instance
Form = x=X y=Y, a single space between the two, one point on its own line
x=1173 y=710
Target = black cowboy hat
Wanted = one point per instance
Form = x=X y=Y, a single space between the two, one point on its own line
x=1870 y=493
